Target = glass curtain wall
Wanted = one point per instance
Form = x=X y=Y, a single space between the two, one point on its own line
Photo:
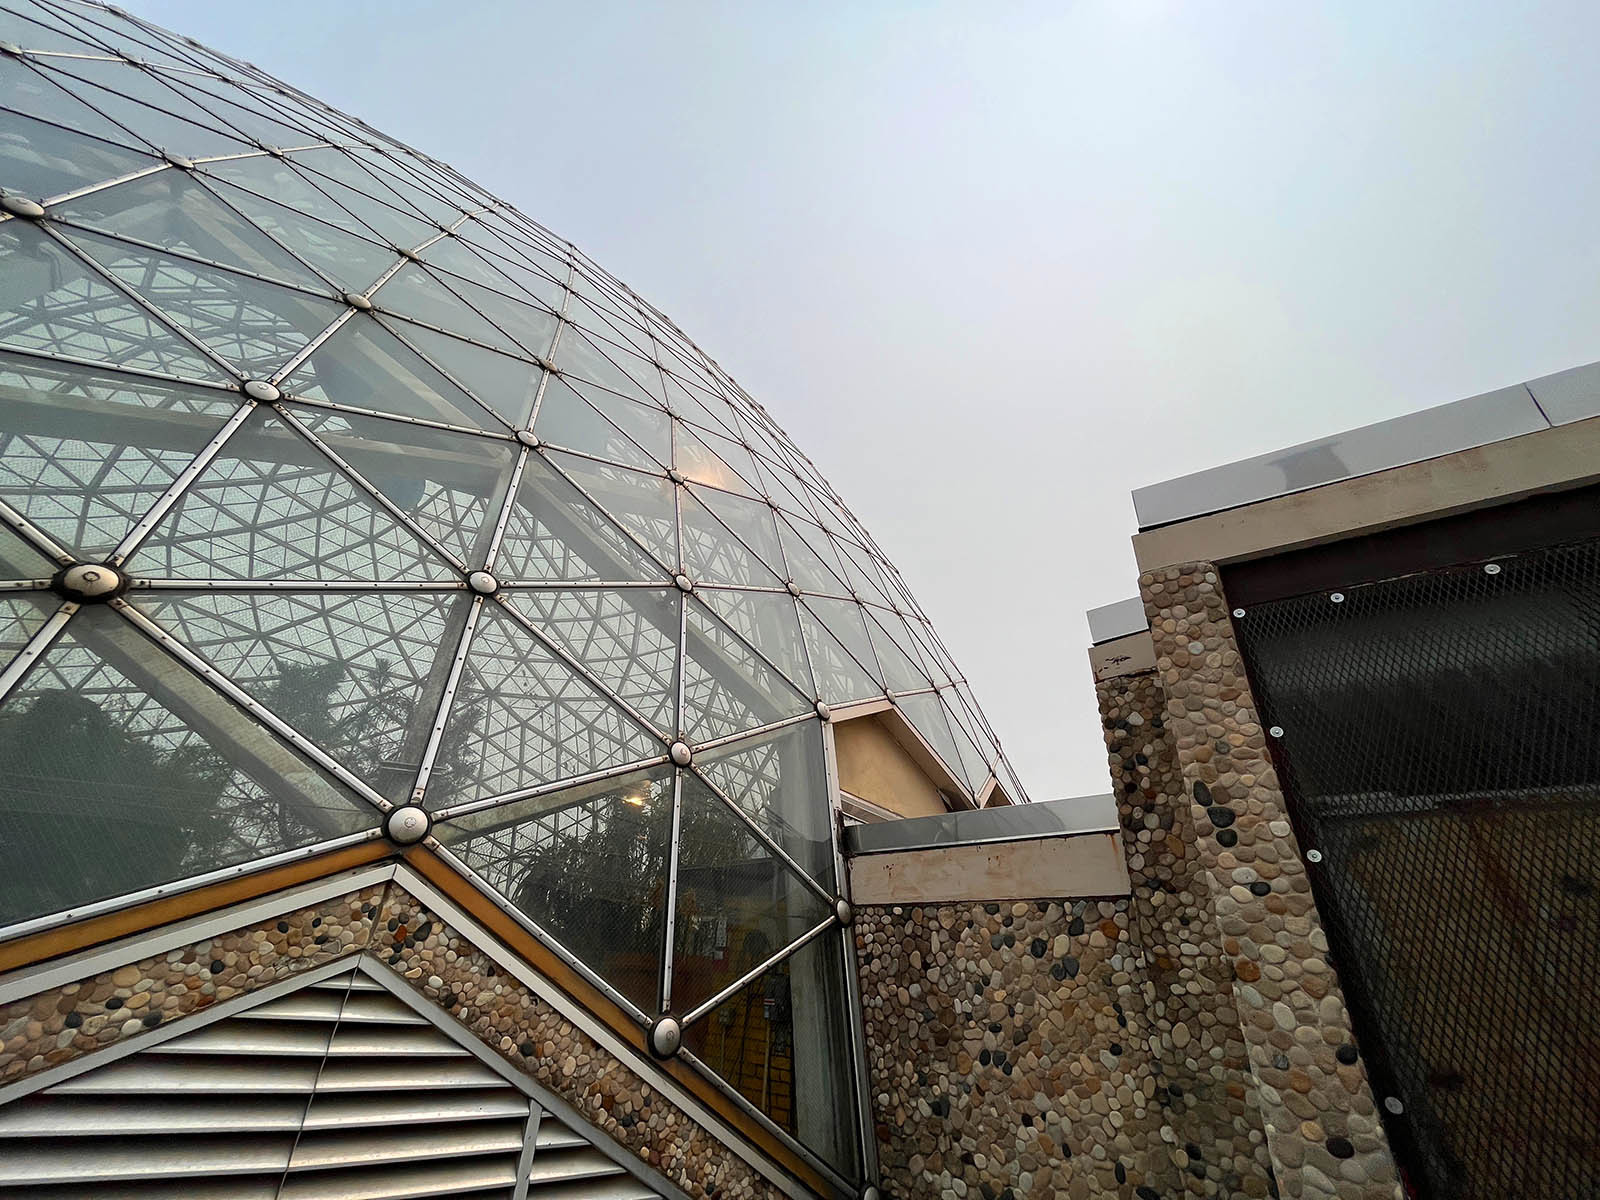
x=329 y=482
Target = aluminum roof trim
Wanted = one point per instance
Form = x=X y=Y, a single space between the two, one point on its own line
x=1112 y=621
x=1462 y=425
x=1022 y=822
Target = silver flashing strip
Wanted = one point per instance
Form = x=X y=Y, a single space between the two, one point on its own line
x=34 y=536
x=57 y=972
x=1116 y=620
x=670 y=925
x=980 y=827
x=178 y=886
x=441 y=716
x=310 y=347
x=545 y=789
x=297 y=585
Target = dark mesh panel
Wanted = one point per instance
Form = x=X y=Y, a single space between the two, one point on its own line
x=1437 y=746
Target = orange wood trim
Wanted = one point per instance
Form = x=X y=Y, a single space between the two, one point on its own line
x=93 y=931
x=527 y=947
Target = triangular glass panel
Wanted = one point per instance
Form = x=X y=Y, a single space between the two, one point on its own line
x=22 y=614
x=840 y=676
x=972 y=760
x=254 y=325
x=532 y=327
x=363 y=365
x=123 y=770
x=588 y=866
x=555 y=533
x=899 y=671
x=700 y=464
x=84 y=454
x=19 y=560
x=36 y=28
x=713 y=554
x=567 y=420
x=766 y=620
x=610 y=325
x=507 y=385
x=147 y=106
x=783 y=1043
x=537 y=284
x=576 y=355
x=642 y=504
x=324 y=170
x=926 y=715
x=414 y=292
x=272 y=506
x=456 y=255
x=51 y=303
x=751 y=521
x=42 y=160
x=626 y=637
x=805 y=568
x=727 y=688
x=780 y=781
x=737 y=902
x=521 y=718
x=274 y=179
x=450 y=484
x=355 y=167
x=171 y=210
x=646 y=424
x=360 y=674
x=693 y=405
x=861 y=574
x=240 y=111
x=351 y=261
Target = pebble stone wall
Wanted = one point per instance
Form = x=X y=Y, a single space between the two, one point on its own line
x=1009 y=1052
x=1322 y=1127
x=387 y=923
x=1211 y=1105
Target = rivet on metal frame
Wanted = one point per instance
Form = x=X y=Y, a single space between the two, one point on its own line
x=1337 y=597
x=1491 y=568
x=1237 y=613
x=1313 y=856
x=1394 y=1105
x=1276 y=731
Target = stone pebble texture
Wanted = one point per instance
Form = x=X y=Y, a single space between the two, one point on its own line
x=1188 y=982
x=388 y=924
x=1323 y=1131
x=1010 y=1053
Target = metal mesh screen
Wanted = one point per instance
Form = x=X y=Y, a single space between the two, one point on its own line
x=1435 y=735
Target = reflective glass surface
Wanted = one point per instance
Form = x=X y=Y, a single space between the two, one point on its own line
x=496 y=536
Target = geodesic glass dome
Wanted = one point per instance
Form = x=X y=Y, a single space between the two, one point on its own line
x=330 y=483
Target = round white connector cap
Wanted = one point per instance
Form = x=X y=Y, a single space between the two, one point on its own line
x=407 y=825
x=260 y=389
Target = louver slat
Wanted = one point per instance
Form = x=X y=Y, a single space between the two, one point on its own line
x=334 y=1092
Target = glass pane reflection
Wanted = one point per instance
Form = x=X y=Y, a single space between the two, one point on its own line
x=588 y=866
x=783 y=1043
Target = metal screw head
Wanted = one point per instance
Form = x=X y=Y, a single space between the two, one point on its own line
x=824 y=711
x=90 y=582
x=407 y=825
x=843 y=910
x=685 y=584
x=178 y=160
x=528 y=438
x=260 y=389
x=1337 y=597
x=358 y=301
x=483 y=583
x=1394 y=1104
x=666 y=1036
x=1491 y=568
x=1238 y=612
x=681 y=754
x=21 y=206
x=1313 y=856
x=1276 y=731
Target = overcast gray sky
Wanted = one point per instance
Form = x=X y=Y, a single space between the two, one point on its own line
x=994 y=265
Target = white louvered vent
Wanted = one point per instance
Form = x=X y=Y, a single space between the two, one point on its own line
x=338 y=1091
